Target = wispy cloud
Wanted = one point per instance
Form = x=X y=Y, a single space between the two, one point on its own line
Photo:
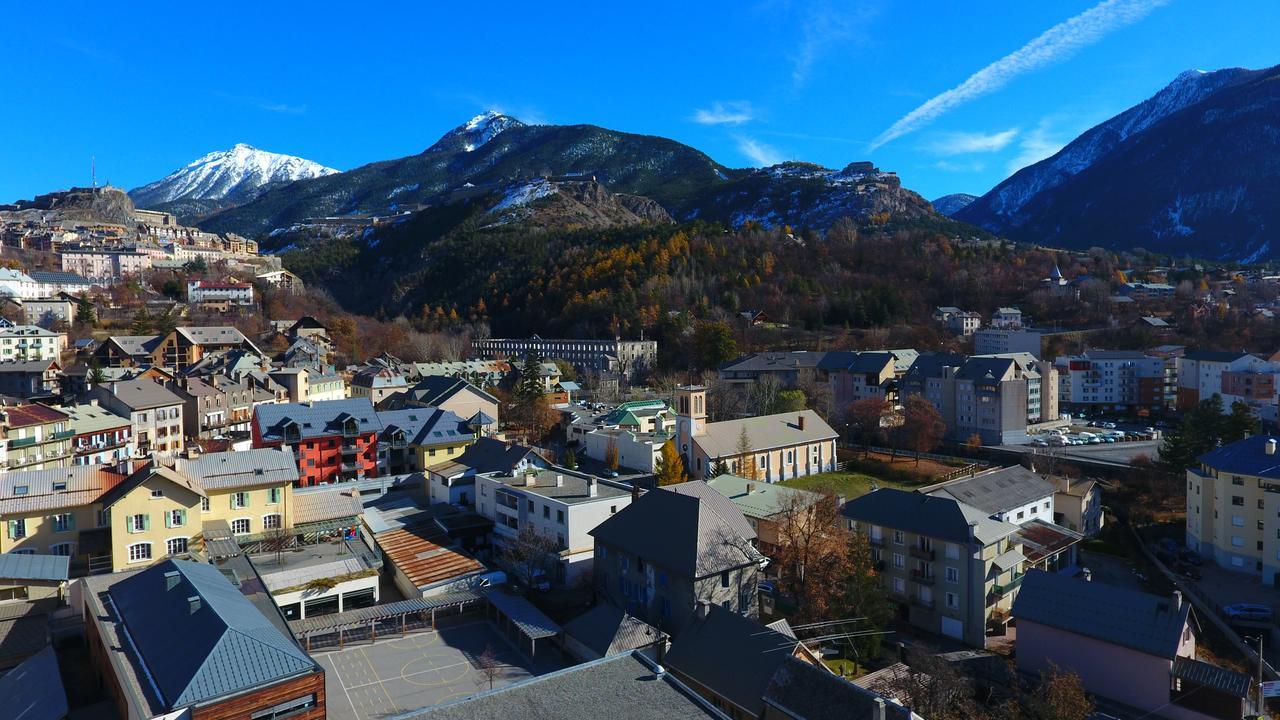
x=265 y=104
x=726 y=113
x=1054 y=44
x=823 y=26
x=759 y=153
x=963 y=143
x=1035 y=146
x=955 y=167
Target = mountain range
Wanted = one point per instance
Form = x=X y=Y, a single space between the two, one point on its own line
x=224 y=179
x=493 y=152
x=951 y=204
x=1192 y=170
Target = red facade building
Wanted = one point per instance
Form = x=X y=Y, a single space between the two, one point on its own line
x=332 y=440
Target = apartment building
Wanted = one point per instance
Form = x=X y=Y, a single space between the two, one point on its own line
x=377 y=383
x=998 y=398
x=453 y=481
x=18 y=284
x=1233 y=507
x=26 y=379
x=209 y=291
x=557 y=503
x=47 y=311
x=30 y=342
x=51 y=282
x=781 y=446
x=105 y=267
x=706 y=556
x=1116 y=380
x=1000 y=340
x=453 y=394
x=37 y=437
x=217 y=405
x=626 y=357
x=155 y=411
x=850 y=375
x=415 y=439
x=332 y=440
x=1200 y=373
x=179 y=350
x=99 y=436
x=948 y=567
x=958 y=321
x=112 y=518
x=1009 y=318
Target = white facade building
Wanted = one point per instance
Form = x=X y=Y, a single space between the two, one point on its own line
x=199 y=291
x=30 y=342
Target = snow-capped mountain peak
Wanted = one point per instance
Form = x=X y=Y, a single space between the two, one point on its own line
x=239 y=173
x=475 y=132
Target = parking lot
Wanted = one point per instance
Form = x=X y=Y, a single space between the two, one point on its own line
x=388 y=677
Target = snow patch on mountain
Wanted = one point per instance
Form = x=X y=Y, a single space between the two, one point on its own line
x=476 y=132
x=228 y=174
x=522 y=195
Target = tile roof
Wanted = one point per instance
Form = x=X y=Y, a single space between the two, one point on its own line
x=812 y=693
x=765 y=432
x=758 y=499
x=422 y=561
x=33 y=490
x=44 y=568
x=703 y=532
x=1245 y=457
x=16 y=416
x=1140 y=621
x=944 y=518
x=732 y=656
x=228 y=645
x=321 y=418
x=999 y=491
x=607 y=630
x=33 y=690
x=618 y=686
x=1041 y=538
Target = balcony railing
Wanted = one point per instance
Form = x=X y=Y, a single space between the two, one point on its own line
x=921 y=553
x=1008 y=587
x=350 y=450
x=875 y=542
x=923 y=578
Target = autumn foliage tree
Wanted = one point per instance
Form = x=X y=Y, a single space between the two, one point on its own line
x=922 y=427
x=670 y=465
x=865 y=418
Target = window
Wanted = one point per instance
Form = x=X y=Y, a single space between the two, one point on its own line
x=953 y=551
x=1237 y=500
x=1237 y=541
x=240 y=526
x=953 y=600
x=157 y=494
x=175 y=518
x=1021 y=514
x=724 y=579
x=898 y=538
x=899 y=585
x=286 y=709
x=240 y=500
x=273 y=496
x=271 y=522
x=1237 y=521
x=560 y=516
x=204 y=504
x=176 y=546
x=139 y=523
x=66 y=549
x=546 y=511
x=103 y=518
x=613 y=509
x=899 y=561
x=64 y=522
x=953 y=575
x=139 y=552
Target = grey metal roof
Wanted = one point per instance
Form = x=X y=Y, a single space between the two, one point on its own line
x=531 y=621
x=700 y=535
x=316 y=419
x=425 y=425
x=86 y=419
x=360 y=617
x=227 y=646
x=607 y=630
x=999 y=491
x=26 y=366
x=135 y=345
x=775 y=361
x=805 y=691
x=141 y=394
x=943 y=518
x=564 y=485
x=765 y=432
x=330 y=504
x=242 y=468
x=435 y=389
x=1221 y=679
x=1245 y=457
x=1147 y=623
x=58 y=276
x=33 y=690
x=486 y=455
x=1220 y=356
x=733 y=656
x=34 y=567
x=758 y=499
x=622 y=686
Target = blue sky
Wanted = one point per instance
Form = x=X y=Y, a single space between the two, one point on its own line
x=147 y=88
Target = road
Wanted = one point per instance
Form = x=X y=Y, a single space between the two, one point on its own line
x=1107 y=453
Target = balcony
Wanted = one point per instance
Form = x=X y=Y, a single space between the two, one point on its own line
x=350 y=450
x=876 y=542
x=22 y=442
x=920 y=553
x=923 y=578
x=1008 y=587
x=63 y=435
x=350 y=467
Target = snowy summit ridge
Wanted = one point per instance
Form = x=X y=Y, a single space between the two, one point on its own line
x=475 y=132
x=240 y=173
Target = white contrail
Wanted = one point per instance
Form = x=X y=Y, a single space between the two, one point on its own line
x=1053 y=44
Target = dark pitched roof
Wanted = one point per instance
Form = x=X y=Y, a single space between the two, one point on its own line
x=425 y=426
x=812 y=693
x=977 y=368
x=435 y=389
x=1245 y=457
x=316 y=419
x=1000 y=490
x=485 y=455
x=871 y=362
x=775 y=361
x=943 y=518
x=33 y=690
x=1222 y=356
x=930 y=364
x=1221 y=679
x=733 y=656
x=697 y=540
x=227 y=645
x=1147 y=623
x=607 y=630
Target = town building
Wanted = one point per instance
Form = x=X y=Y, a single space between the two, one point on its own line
x=948 y=567
x=1139 y=653
x=30 y=342
x=282 y=279
x=1233 y=507
x=779 y=447
x=1077 y=505
x=18 y=284
x=706 y=556
x=218 y=405
x=1007 y=318
x=377 y=383
x=1002 y=340
x=332 y=440
x=27 y=379
x=1117 y=380
x=764 y=505
x=415 y=439
x=237 y=658
x=99 y=436
x=155 y=412
x=51 y=283
x=557 y=503
x=957 y=321
x=37 y=437
x=1000 y=399
x=105 y=267
x=453 y=481
x=624 y=357
x=209 y=291
x=447 y=393
x=47 y=311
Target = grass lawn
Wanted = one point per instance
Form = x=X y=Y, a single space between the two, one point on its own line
x=847 y=485
x=845 y=668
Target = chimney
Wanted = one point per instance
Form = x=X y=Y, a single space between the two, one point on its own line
x=751 y=487
x=635 y=491
x=1177 y=600
x=878 y=712
x=125 y=467
x=193 y=604
x=559 y=480
x=702 y=609
x=1271 y=446
x=800 y=422
x=591 y=487
x=171 y=579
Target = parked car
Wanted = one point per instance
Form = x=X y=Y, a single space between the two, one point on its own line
x=1248 y=611
x=1108 y=425
x=1040 y=442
